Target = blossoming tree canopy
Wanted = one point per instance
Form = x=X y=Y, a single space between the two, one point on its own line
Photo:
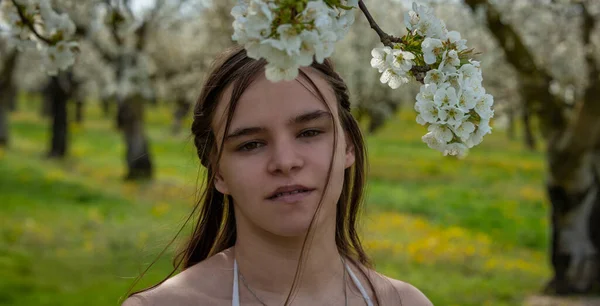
x=452 y=102
x=34 y=24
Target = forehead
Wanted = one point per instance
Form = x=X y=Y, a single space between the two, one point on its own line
x=265 y=102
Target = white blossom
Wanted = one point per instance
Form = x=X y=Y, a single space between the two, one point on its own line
x=445 y=97
x=275 y=73
x=442 y=132
x=318 y=12
x=453 y=58
x=427 y=93
x=55 y=23
x=483 y=107
x=401 y=60
x=422 y=21
x=379 y=59
x=59 y=57
x=433 y=142
x=411 y=19
x=455 y=80
x=309 y=45
x=467 y=100
x=343 y=19
x=455 y=149
x=421 y=120
x=483 y=128
x=454 y=115
x=456 y=43
x=464 y=130
x=430 y=26
x=18 y=27
x=393 y=78
x=432 y=48
x=431 y=113
x=470 y=71
x=325 y=47
x=289 y=40
x=435 y=76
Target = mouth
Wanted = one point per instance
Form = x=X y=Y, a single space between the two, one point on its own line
x=291 y=196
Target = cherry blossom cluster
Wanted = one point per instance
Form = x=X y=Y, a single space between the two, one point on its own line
x=290 y=33
x=452 y=102
x=34 y=24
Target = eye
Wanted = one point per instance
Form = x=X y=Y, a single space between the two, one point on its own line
x=310 y=133
x=249 y=146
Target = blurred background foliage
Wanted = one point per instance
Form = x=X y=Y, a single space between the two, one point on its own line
x=98 y=169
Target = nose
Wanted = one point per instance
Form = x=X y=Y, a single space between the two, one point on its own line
x=285 y=158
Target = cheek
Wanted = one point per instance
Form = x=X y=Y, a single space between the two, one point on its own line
x=239 y=175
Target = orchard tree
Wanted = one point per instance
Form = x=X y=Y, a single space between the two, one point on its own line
x=115 y=64
x=194 y=39
x=8 y=56
x=555 y=50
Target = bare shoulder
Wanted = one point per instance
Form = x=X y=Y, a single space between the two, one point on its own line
x=206 y=281
x=135 y=300
x=409 y=294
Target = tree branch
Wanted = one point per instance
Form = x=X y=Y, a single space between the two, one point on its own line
x=385 y=38
x=389 y=41
x=30 y=25
x=589 y=22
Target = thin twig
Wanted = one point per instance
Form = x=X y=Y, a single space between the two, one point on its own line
x=389 y=40
x=385 y=38
x=30 y=25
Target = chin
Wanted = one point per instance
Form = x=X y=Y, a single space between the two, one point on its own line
x=290 y=228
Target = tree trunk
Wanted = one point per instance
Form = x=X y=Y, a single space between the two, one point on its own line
x=130 y=120
x=512 y=134
x=11 y=96
x=574 y=192
x=59 y=95
x=376 y=122
x=105 y=104
x=79 y=108
x=8 y=94
x=182 y=108
x=573 y=157
x=46 y=106
x=527 y=132
x=153 y=100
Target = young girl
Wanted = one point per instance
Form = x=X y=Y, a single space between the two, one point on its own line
x=285 y=177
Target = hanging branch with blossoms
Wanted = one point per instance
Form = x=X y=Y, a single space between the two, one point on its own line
x=34 y=24
x=451 y=103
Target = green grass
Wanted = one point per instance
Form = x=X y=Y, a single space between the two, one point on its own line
x=466 y=232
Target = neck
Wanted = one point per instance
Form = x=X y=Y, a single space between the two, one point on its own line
x=269 y=263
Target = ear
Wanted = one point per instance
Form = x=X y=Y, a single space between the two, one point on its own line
x=220 y=184
x=350 y=156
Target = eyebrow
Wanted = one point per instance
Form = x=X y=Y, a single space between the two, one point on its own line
x=303 y=118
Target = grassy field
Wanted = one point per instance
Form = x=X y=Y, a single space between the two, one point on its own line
x=466 y=232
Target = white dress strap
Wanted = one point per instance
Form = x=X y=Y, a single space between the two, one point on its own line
x=235 y=296
x=359 y=286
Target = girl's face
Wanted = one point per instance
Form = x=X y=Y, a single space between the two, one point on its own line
x=281 y=135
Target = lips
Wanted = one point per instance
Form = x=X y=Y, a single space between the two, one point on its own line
x=290 y=191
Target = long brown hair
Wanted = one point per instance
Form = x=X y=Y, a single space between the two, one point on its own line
x=215 y=227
